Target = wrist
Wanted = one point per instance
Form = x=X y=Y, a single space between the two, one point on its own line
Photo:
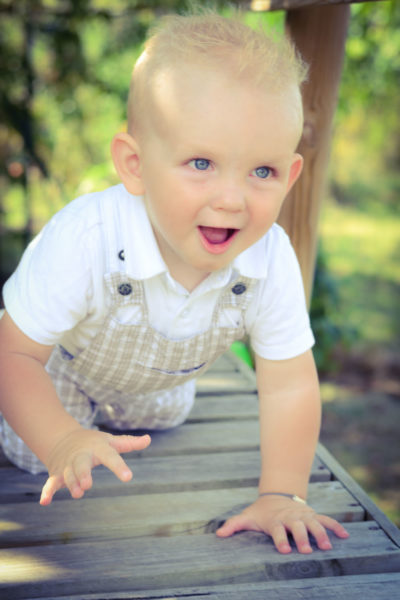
x=68 y=428
x=293 y=497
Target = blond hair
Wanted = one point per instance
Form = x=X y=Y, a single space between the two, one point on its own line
x=266 y=60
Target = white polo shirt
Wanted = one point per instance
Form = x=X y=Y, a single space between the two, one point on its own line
x=57 y=294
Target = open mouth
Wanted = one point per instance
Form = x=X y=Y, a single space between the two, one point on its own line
x=216 y=239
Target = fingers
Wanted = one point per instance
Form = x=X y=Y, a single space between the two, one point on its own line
x=300 y=536
x=334 y=526
x=116 y=464
x=123 y=443
x=78 y=475
x=299 y=525
x=52 y=485
x=302 y=529
x=72 y=463
x=128 y=443
x=320 y=535
x=76 y=478
x=280 y=539
x=317 y=527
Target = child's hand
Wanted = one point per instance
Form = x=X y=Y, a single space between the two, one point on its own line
x=276 y=516
x=71 y=461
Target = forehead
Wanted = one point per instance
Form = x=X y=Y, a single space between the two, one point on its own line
x=198 y=100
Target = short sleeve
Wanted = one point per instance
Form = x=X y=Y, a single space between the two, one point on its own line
x=281 y=328
x=49 y=292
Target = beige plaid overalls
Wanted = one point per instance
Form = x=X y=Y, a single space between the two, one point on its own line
x=133 y=374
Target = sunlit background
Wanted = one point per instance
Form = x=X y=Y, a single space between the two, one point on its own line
x=63 y=78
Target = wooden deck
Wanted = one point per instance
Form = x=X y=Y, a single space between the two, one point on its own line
x=154 y=538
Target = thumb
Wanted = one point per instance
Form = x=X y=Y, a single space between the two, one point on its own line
x=237 y=523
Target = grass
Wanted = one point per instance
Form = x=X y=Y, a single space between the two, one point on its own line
x=362 y=399
x=362 y=250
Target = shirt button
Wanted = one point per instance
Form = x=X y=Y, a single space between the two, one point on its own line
x=125 y=289
x=239 y=288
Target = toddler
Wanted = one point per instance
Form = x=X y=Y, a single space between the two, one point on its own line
x=129 y=294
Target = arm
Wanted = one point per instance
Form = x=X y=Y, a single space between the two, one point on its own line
x=290 y=415
x=30 y=405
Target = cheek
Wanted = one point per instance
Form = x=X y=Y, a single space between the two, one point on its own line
x=266 y=208
x=167 y=215
x=264 y=215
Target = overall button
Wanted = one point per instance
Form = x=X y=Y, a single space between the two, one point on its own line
x=121 y=255
x=125 y=289
x=239 y=288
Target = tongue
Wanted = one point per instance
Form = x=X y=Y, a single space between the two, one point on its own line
x=215 y=235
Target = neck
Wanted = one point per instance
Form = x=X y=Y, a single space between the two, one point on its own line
x=188 y=278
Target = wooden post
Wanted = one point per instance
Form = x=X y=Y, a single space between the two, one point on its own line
x=319 y=33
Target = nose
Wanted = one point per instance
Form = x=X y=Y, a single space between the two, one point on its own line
x=229 y=196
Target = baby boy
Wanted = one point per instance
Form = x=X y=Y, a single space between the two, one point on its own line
x=129 y=294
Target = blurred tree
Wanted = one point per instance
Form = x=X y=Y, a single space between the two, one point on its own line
x=58 y=59
x=63 y=84
x=42 y=47
x=365 y=175
x=369 y=108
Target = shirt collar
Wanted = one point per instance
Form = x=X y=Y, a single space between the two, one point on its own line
x=252 y=262
x=142 y=255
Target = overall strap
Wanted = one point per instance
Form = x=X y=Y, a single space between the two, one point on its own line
x=238 y=294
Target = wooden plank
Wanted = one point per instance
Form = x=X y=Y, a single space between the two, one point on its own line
x=224 y=383
x=191 y=560
x=197 y=438
x=372 y=511
x=214 y=381
x=226 y=407
x=224 y=364
x=354 y=587
x=140 y=515
x=155 y=475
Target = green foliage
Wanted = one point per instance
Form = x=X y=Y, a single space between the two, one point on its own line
x=372 y=66
x=366 y=148
x=354 y=298
x=326 y=305
x=361 y=250
x=241 y=349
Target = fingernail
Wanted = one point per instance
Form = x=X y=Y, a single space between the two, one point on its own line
x=346 y=534
x=326 y=546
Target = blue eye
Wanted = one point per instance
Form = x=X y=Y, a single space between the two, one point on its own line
x=262 y=172
x=201 y=164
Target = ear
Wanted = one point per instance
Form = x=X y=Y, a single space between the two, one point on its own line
x=125 y=153
x=295 y=171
